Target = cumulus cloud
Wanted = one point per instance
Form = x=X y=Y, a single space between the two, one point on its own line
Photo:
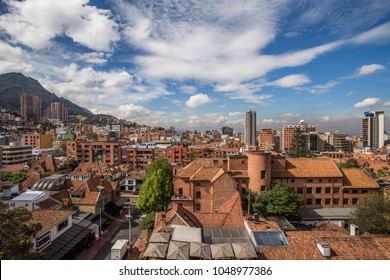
x=368 y=69
x=321 y=89
x=93 y=57
x=290 y=115
x=270 y=121
x=325 y=118
x=235 y=114
x=198 y=100
x=386 y=104
x=14 y=59
x=291 y=81
x=36 y=23
x=187 y=89
x=367 y=102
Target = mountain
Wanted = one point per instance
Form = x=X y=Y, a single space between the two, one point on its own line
x=12 y=85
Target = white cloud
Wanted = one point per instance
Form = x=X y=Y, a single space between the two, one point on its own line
x=198 y=100
x=235 y=114
x=367 y=102
x=93 y=57
x=368 y=69
x=349 y=93
x=321 y=89
x=325 y=118
x=14 y=59
x=291 y=81
x=187 y=89
x=36 y=23
x=290 y=115
x=270 y=121
x=386 y=104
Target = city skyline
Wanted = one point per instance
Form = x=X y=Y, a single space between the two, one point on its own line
x=203 y=65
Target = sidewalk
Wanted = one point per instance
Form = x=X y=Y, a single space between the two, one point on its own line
x=97 y=245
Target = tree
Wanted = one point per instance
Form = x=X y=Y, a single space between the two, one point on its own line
x=350 y=163
x=157 y=187
x=280 y=200
x=383 y=172
x=298 y=145
x=72 y=163
x=16 y=234
x=373 y=215
x=148 y=222
x=14 y=177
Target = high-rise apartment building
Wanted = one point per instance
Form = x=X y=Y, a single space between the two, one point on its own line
x=288 y=133
x=227 y=131
x=56 y=112
x=373 y=129
x=30 y=104
x=265 y=139
x=249 y=138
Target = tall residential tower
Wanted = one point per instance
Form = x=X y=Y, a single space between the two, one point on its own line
x=374 y=129
x=249 y=138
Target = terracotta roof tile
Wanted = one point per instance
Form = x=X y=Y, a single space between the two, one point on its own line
x=49 y=218
x=308 y=168
x=302 y=246
x=358 y=178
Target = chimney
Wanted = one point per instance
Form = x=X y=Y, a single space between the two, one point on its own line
x=323 y=248
x=353 y=229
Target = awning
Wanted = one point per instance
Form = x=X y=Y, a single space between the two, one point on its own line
x=178 y=250
x=156 y=250
x=200 y=250
x=69 y=239
x=222 y=251
x=160 y=237
x=244 y=251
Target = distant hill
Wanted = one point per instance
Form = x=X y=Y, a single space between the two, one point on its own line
x=12 y=85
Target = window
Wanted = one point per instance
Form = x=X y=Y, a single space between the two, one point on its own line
x=309 y=180
x=335 y=180
x=355 y=191
x=43 y=240
x=197 y=207
x=355 y=200
x=198 y=195
x=197 y=184
x=364 y=191
x=299 y=190
x=243 y=191
x=63 y=225
x=329 y=180
x=320 y=180
x=345 y=191
x=336 y=190
x=327 y=190
x=346 y=201
x=336 y=201
x=262 y=188
x=327 y=201
x=243 y=181
x=309 y=190
x=309 y=201
x=318 y=201
x=180 y=191
x=318 y=190
x=263 y=173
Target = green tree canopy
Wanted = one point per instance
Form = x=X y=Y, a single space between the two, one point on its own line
x=280 y=200
x=299 y=147
x=373 y=215
x=16 y=234
x=350 y=163
x=148 y=222
x=14 y=177
x=157 y=187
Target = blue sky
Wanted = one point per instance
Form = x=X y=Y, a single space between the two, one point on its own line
x=202 y=64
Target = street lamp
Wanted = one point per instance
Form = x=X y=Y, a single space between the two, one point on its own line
x=100 y=212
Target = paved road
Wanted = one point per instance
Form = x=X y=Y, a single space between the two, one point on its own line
x=121 y=233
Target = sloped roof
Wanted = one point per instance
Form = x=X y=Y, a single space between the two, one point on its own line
x=308 y=168
x=358 y=178
x=207 y=174
x=302 y=246
x=48 y=218
x=192 y=167
x=187 y=216
x=229 y=214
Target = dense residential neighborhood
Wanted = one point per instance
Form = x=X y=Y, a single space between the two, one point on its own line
x=100 y=191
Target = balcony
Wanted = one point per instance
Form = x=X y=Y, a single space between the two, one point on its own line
x=182 y=198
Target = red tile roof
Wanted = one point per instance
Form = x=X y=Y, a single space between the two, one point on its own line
x=308 y=168
x=358 y=178
x=302 y=246
x=49 y=218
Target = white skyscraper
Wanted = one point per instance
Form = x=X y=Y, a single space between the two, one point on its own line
x=374 y=129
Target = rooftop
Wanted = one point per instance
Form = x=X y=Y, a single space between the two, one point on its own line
x=358 y=178
x=49 y=218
